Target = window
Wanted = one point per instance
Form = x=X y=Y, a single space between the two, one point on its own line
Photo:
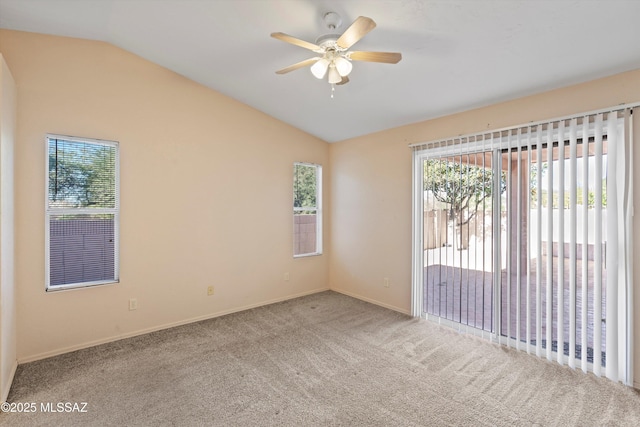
x=307 y=209
x=82 y=212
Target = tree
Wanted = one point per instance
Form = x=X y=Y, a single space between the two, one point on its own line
x=533 y=179
x=462 y=187
x=81 y=175
x=100 y=174
x=304 y=186
x=555 y=198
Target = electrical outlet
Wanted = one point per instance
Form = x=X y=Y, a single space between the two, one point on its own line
x=386 y=282
x=210 y=290
x=133 y=304
x=286 y=276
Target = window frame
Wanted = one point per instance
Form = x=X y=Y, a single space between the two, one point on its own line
x=317 y=209
x=49 y=211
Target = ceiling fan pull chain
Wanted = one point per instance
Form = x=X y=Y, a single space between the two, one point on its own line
x=333 y=89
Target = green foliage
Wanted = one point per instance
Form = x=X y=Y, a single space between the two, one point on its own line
x=304 y=186
x=463 y=187
x=555 y=202
x=591 y=198
x=82 y=174
x=533 y=178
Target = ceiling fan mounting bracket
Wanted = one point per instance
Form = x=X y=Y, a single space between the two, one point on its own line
x=332 y=20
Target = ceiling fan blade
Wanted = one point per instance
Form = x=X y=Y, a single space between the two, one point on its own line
x=360 y=27
x=344 y=81
x=300 y=64
x=290 y=39
x=386 y=57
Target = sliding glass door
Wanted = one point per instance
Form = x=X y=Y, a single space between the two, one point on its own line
x=522 y=235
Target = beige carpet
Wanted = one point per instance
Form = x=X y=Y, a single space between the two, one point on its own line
x=324 y=359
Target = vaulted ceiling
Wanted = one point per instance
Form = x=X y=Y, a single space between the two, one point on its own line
x=456 y=54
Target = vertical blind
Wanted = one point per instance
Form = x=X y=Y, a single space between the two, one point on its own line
x=540 y=257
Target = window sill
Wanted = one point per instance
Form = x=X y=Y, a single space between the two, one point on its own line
x=307 y=255
x=58 y=288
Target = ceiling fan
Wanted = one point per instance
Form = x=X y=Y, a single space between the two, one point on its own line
x=334 y=57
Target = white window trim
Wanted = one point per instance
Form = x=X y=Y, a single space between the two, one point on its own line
x=317 y=209
x=78 y=211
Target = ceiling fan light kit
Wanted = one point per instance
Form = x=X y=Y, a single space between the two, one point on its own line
x=335 y=58
x=334 y=75
x=343 y=65
x=319 y=69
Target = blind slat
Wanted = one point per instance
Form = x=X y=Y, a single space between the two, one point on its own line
x=612 y=252
x=549 y=278
x=561 y=241
x=584 y=321
x=597 y=259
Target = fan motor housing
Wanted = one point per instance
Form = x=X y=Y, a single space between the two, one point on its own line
x=328 y=41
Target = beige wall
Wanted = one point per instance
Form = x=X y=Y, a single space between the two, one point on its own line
x=197 y=169
x=8 y=342
x=371 y=188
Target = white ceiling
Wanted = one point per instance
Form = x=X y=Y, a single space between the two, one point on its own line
x=457 y=54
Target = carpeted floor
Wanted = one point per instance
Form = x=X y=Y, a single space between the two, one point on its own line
x=324 y=359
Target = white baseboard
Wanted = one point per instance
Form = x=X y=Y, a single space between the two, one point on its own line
x=94 y=343
x=372 y=301
x=7 y=385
